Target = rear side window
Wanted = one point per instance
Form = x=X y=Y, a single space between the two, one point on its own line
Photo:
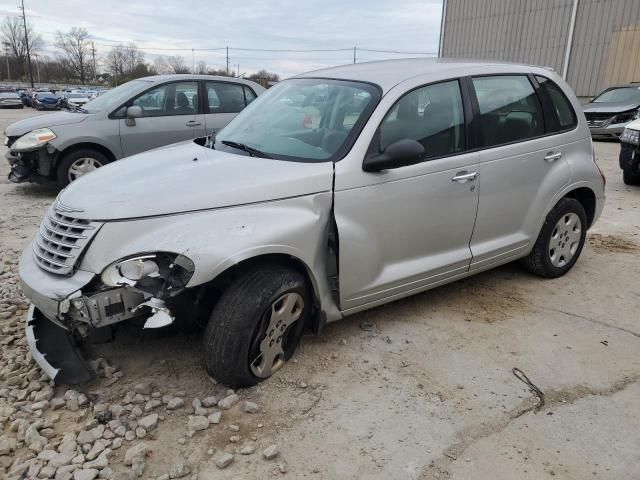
x=225 y=97
x=565 y=115
x=509 y=109
x=432 y=115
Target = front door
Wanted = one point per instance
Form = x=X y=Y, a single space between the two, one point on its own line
x=522 y=167
x=170 y=114
x=409 y=228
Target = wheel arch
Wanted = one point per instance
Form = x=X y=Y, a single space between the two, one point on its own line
x=587 y=199
x=88 y=145
x=233 y=269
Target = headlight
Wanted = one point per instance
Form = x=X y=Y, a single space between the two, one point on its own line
x=630 y=136
x=159 y=274
x=34 y=139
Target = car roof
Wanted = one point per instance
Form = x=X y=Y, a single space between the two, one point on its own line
x=388 y=73
x=190 y=76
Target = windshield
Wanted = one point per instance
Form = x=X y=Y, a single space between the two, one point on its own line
x=619 y=95
x=312 y=120
x=115 y=97
x=76 y=95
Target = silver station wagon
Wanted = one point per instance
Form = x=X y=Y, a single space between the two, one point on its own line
x=334 y=192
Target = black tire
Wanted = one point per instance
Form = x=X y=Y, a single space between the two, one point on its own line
x=630 y=178
x=237 y=323
x=62 y=171
x=539 y=260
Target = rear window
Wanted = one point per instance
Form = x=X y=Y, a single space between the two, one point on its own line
x=565 y=116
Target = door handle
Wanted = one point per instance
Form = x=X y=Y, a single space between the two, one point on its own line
x=552 y=157
x=464 y=177
x=193 y=123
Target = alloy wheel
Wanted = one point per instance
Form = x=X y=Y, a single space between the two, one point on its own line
x=270 y=354
x=81 y=167
x=565 y=239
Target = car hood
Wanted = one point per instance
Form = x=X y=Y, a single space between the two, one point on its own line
x=41 y=121
x=606 y=107
x=187 y=177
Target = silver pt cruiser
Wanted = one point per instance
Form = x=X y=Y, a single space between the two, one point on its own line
x=334 y=192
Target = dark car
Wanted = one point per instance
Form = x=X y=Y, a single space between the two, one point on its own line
x=630 y=153
x=46 y=101
x=610 y=111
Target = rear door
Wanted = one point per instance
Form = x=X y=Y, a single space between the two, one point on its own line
x=522 y=166
x=170 y=113
x=223 y=101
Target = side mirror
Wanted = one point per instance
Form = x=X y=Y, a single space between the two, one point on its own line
x=399 y=154
x=134 y=112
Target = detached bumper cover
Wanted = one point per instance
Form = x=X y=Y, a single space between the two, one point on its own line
x=53 y=349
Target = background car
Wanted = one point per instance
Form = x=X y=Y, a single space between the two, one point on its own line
x=630 y=153
x=610 y=111
x=75 y=99
x=10 y=100
x=137 y=116
x=46 y=101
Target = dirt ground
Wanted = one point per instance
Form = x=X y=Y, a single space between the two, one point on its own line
x=421 y=388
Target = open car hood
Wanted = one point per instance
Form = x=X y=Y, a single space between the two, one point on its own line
x=187 y=177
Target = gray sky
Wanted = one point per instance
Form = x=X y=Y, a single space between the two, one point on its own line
x=405 y=25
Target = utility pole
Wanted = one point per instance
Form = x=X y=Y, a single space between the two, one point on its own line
x=238 y=71
x=37 y=65
x=6 y=54
x=227 y=60
x=26 y=41
x=93 y=54
x=354 y=54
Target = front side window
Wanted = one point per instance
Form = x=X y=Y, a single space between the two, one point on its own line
x=305 y=119
x=225 y=97
x=432 y=115
x=180 y=98
x=566 y=117
x=509 y=109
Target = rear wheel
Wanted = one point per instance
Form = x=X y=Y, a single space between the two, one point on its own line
x=256 y=325
x=630 y=178
x=79 y=163
x=560 y=241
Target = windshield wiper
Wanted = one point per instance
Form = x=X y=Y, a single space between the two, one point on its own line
x=254 y=152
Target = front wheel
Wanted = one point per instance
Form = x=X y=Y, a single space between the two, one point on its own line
x=79 y=163
x=560 y=241
x=256 y=325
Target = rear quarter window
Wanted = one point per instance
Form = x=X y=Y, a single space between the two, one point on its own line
x=566 y=118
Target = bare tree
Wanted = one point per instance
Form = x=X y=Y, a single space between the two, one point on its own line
x=12 y=33
x=115 y=61
x=161 y=66
x=75 y=51
x=134 y=57
x=201 y=68
x=177 y=64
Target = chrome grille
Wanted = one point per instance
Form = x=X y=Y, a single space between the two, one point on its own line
x=597 y=119
x=61 y=239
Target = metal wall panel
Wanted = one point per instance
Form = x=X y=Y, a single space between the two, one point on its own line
x=605 y=48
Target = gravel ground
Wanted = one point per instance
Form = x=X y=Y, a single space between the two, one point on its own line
x=418 y=389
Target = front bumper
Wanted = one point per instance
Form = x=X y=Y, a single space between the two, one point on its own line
x=54 y=350
x=32 y=166
x=611 y=132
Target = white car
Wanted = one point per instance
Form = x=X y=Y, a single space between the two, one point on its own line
x=76 y=99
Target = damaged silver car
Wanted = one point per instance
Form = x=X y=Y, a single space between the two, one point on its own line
x=334 y=192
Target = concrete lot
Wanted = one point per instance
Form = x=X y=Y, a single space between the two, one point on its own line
x=421 y=388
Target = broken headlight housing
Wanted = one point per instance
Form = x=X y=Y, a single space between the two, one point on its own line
x=159 y=274
x=34 y=139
